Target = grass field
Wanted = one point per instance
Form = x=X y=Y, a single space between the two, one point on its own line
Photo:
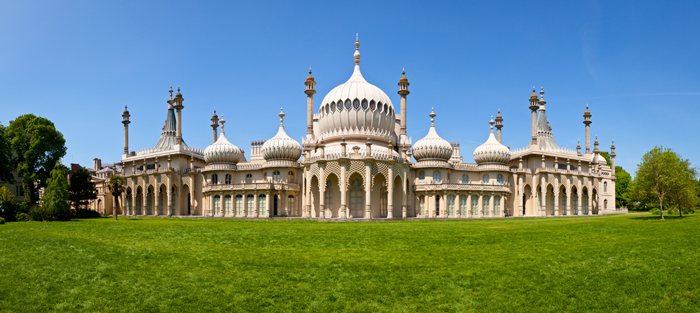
x=624 y=263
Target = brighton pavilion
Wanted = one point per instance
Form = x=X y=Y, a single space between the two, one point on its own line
x=356 y=162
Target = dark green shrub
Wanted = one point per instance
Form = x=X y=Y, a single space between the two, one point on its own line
x=23 y=217
x=655 y=211
x=43 y=214
x=2 y=220
x=83 y=213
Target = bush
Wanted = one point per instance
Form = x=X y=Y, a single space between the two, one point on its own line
x=84 y=213
x=2 y=221
x=655 y=211
x=23 y=217
x=43 y=214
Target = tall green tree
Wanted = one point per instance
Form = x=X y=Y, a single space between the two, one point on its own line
x=622 y=187
x=55 y=198
x=5 y=160
x=116 y=187
x=684 y=196
x=81 y=189
x=606 y=156
x=661 y=176
x=36 y=148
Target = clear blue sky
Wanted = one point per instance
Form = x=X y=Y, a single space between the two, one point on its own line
x=636 y=63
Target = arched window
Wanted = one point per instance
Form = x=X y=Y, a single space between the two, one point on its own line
x=364 y=104
x=239 y=205
x=451 y=205
x=499 y=179
x=262 y=205
x=605 y=204
x=329 y=195
x=217 y=205
x=276 y=176
x=436 y=177
x=332 y=106
x=248 y=178
x=605 y=187
x=372 y=105
x=347 y=104
x=379 y=107
x=497 y=205
x=421 y=177
x=250 y=205
x=291 y=207
x=214 y=179
x=356 y=104
x=227 y=205
x=290 y=177
x=356 y=194
x=385 y=109
x=228 y=178
x=475 y=205
x=465 y=179
x=463 y=205
x=421 y=206
x=486 y=179
x=486 y=205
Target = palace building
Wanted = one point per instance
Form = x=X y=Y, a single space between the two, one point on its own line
x=356 y=162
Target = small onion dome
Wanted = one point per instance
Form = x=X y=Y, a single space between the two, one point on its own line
x=491 y=152
x=310 y=78
x=587 y=112
x=403 y=78
x=281 y=147
x=534 y=94
x=432 y=146
x=222 y=151
x=126 y=112
x=178 y=95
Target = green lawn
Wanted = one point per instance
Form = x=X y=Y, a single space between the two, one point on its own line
x=624 y=263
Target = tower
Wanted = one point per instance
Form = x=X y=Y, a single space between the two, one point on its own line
x=178 y=106
x=499 y=125
x=612 y=157
x=310 y=91
x=214 y=125
x=534 y=106
x=587 y=121
x=126 y=123
x=403 y=91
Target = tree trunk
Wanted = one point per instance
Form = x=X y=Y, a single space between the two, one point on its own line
x=680 y=210
x=116 y=206
x=661 y=206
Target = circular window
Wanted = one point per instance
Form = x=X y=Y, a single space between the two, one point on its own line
x=356 y=104
x=372 y=105
x=364 y=104
x=347 y=104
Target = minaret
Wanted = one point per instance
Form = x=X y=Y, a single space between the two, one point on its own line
x=178 y=106
x=126 y=123
x=534 y=106
x=612 y=157
x=578 y=148
x=403 y=91
x=596 y=151
x=587 y=121
x=310 y=91
x=214 y=125
x=499 y=125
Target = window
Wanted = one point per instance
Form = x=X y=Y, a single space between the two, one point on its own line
x=486 y=179
x=356 y=104
x=463 y=205
x=262 y=205
x=290 y=177
x=379 y=106
x=585 y=204
x=248 y=178
x=475 y=205
x=227 y=205
x=276 y=176
x=228 y=178
x=329 y=195
x=214 y=179
x=605 y=187
x=372 y=105
x=217 y=205
x=451 y=205
x=574 y=204
x=385 y=109
x=356 y=194
x=239 y=205
x=250 y=205
x=497 y=205
x=421 y=201
x=436 y=177
x=551 y=204
x=499 y=179
x=364 y=104
x=332 y=106
x=291 y=207
x=605 y=204
x=347 y=104
x=421 y=177
x=340 y=105
x=485 y=205
x=465 y=179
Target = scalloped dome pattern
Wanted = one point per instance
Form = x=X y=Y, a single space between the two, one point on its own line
x=222 y=151
x=432 y=147
x=281 y=147
x=491 y=152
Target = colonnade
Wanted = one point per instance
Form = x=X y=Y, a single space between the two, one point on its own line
x=245 y=209
x=491 y=204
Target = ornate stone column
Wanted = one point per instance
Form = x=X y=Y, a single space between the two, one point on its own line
x=343 y=190
x=368 y=186
x=268 y=200
x=255 y=206
x=390 y=193
x=480 y=206
x=404 y=198
x=458 y=205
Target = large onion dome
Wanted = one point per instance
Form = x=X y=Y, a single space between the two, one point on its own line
x=281 y=147
x=222 y=151
x=492 y=152
x=432 y=146
x=357 y=106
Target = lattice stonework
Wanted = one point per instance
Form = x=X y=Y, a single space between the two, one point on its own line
x=332 y=167
x=187 y=180
x=399 y=171
x=355 y=167
x=379 y=168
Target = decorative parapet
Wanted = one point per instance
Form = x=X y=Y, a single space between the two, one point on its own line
x=462 y=187
x=251 y=187
x=521 y=151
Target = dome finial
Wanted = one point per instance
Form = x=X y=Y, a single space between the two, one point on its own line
x=492 y=122
x=222 y=121
x=281 y=115
x=309 y=70
x=403 y=71
x=357 y=49
x=432 y=117
x=171 y=92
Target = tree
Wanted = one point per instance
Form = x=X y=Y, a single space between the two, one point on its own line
x=36 y=148
x=55 y=199
x=7 y=200
x=5 y=153
x=622 y=187
x=116 y=187
x=606 y=156
x=684 y=195
x=661 y=176
x=81 y=189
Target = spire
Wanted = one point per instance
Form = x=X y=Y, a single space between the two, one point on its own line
x=222 y=121
x=491 y=122
x=171 y=92
x=281 y=115
x=357 y=49
x=432 y=117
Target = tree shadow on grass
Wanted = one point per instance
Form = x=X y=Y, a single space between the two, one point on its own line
x=658 y=217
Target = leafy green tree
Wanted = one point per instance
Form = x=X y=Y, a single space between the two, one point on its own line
x=606 y=156
x=5 y=161
x=622 y=187
x=7 y=200
x=81 y=189
x=116 y=187
x=55 y=199
x=661 y=176
x=684 y=196
x=36 y=148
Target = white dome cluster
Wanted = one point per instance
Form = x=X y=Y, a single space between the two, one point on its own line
x=432 y=146
x=492 y=152
x=222 y=151
x=281 y=147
